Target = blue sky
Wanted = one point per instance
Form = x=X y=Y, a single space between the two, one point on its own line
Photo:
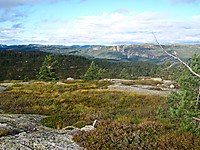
x=107 y=22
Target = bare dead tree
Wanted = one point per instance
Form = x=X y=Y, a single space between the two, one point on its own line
x=175 y=57
x=170 y=66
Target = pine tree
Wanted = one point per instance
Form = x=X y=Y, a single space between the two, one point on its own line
x=47 y=71
x=185 y=105
x=124 y=74
x=94 y=73
x=101 y=73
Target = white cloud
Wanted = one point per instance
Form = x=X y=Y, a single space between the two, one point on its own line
x=108 y=29
x=121 y=28
x=196 y=17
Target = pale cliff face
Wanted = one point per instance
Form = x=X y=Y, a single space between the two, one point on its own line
x=133 y=50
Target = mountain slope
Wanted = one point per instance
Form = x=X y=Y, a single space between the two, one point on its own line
x=132 y=53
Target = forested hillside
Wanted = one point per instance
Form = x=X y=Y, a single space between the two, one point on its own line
x=20 y=65
x=123 y=53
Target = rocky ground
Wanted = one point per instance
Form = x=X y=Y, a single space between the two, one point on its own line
x=28 y=133
x=31 y=134
x=141 y=89
x=2 y=88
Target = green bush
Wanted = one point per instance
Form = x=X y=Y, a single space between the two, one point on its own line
x=16 y=85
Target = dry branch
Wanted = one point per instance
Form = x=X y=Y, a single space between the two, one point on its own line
x=170 y=66
x=175 y=57
x=196 y=118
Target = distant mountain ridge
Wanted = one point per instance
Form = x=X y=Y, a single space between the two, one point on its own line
x=132 y=53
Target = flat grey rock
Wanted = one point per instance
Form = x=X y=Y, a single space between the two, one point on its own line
x=32 y=134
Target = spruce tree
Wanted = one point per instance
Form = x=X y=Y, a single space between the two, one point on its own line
x=185 y=105
x=101 y=73
x=47 y=71
x=94 y=72
x=124 y=74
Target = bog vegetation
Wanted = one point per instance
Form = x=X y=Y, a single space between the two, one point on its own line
x=126 y=120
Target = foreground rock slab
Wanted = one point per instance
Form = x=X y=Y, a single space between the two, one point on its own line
x=33 y=135
x=39 y=140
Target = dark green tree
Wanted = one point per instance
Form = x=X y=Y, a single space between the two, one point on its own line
x=101 y=73
x=124 y=74
x=185 y=105
x=47 y=71
x=94 y=72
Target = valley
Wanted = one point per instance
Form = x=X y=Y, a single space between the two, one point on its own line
x=127 y=53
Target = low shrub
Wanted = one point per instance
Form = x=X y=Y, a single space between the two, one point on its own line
x=147 y=135
x=10 y=88
x=62 y=120
x=127 y=120
x=16 y=85
x=79 y=99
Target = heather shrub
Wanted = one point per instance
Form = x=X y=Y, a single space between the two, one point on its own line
x=176 y=140
x=16 y=85
x=127 y=120
x=147 y=135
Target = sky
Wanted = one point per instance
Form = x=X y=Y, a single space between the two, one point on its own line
x=99 y=22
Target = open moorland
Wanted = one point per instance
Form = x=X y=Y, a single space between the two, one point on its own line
x=70 y=102
x=126 y=120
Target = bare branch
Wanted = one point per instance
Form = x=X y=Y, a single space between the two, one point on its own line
x=175 y=57
x=196 y=118
x=170 y=66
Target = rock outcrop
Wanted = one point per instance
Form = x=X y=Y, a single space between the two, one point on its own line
x=133 y=50
x=30 y=133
